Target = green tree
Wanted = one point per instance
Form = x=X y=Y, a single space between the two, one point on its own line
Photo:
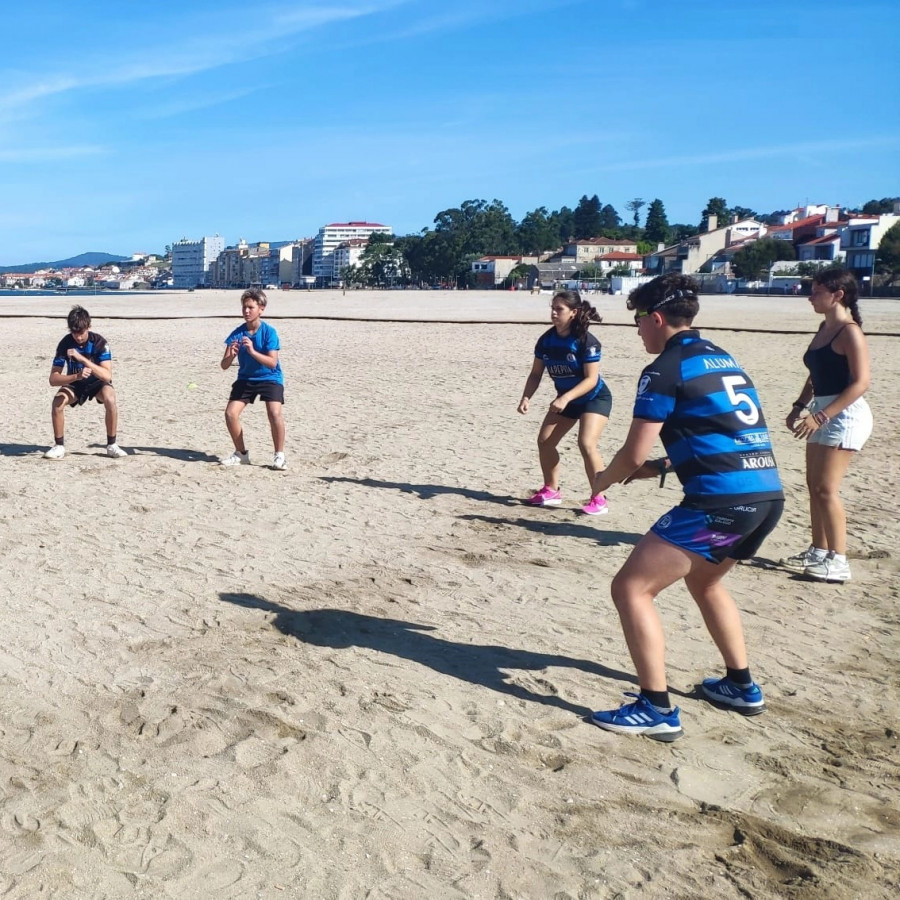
x=564 y=222
x=634 y=207
x=586 y=218
x=536 y=233
x=610 y=220
x=656 y=228
x=887 y=260
x=755 y=260
x=742 y=212
x=879 y=207
x=715 y=207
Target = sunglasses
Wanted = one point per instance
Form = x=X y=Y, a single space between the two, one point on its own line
x=677 y=295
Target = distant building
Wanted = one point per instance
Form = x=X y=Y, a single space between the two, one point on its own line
x=689 y=255
x=191 y=260
x=593 y=249
x=330 y=237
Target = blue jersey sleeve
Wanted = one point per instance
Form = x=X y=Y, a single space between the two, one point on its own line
x=655 y=400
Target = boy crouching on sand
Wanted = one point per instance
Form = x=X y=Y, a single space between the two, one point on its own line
x=256 y=346
x=82 y=370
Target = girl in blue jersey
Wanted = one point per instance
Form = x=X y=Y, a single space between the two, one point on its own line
x=571 y=355
x=704 y=408
x=837 y=420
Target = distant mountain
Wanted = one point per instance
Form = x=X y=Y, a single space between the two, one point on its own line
x=83 y=259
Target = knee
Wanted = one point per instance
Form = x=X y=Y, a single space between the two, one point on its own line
x=823 y=493
x=620 y=592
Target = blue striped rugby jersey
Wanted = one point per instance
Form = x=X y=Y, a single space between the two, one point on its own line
x=714 y=430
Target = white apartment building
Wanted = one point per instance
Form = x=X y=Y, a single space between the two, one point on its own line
x=191 y=260
x=330 y=237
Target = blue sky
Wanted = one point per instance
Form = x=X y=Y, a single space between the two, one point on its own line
x=126 y=126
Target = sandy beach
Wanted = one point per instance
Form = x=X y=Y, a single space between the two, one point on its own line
x=367 y=676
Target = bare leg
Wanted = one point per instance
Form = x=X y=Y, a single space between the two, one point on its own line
x=108 y=396
x=276 y=423
x=233 y=423
x=553 y=429
x=653 y=565
x=825 y=470
x=590 y=427
x=720 y=612
x=58 y=414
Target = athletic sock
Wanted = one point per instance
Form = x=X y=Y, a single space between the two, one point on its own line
x=60 y=440
x=659 y=700
x=840 y=557
x=740 y=677
x=110 y=439
x=819 y=553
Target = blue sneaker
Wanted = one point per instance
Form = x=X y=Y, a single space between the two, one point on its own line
x=748 y=701
x=640 y=718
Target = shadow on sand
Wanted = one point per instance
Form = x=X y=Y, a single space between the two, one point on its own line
x=476 y=663
x=428 y=491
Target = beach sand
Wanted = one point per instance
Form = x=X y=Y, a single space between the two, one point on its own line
x=367 y=676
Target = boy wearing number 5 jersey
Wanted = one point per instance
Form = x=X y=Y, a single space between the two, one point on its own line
x=704 y=408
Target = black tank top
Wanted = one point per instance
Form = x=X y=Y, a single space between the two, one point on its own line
x=830 y=371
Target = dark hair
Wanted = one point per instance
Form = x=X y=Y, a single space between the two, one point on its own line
x=584 y=312
x=79 y=319
x=674 y=296
x=257 y=294
x=842 y=280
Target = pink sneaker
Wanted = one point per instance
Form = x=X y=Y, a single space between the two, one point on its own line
x=596 y=506
x=546 y=496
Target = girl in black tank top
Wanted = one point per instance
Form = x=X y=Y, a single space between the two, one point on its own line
x=833 y=418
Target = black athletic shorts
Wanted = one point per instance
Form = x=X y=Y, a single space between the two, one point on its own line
x=85 y=390
x=248 y=391
x=601 y=404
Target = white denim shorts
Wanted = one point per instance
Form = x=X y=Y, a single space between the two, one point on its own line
x=849 y=429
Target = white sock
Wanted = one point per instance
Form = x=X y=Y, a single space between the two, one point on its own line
x=818 y=553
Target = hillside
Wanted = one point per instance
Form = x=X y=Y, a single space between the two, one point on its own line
x=83 y=259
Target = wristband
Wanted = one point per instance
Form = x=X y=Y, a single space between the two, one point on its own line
x=663 y=470
x=798 y=405
x=821 y=418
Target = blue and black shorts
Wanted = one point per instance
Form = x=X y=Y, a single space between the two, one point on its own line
x=601 y=405
x=729 y=532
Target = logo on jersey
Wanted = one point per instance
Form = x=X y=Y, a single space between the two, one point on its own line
x=643 y=384
x=753 y=437
x=664 y=522
x=570 y=357
x=765 y=461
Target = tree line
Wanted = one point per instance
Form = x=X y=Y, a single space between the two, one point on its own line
x=479 y=228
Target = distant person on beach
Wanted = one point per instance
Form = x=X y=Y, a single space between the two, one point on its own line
x=571 y=355
x=706 y=411
x=82 y=371
x=255 y=344
x=837 y=420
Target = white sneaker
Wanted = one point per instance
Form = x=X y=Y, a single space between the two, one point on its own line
x=279 y=462
x=236 y=459
x=114 y=451
x=57 y=451
x=800 y=561
x=829 y=569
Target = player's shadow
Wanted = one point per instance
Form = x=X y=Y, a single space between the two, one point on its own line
x=563 y=529
x=482 y=664
x=178 y=453
x=21 y=449
x=427 y=491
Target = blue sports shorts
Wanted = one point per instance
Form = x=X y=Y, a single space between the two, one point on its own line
x=729 y=532
x=601 y=404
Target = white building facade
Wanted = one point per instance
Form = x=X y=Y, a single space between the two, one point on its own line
x=191 y=260
x=330 y=237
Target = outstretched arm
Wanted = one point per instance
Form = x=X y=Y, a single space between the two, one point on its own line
x=634 y=452
x=531 y=384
